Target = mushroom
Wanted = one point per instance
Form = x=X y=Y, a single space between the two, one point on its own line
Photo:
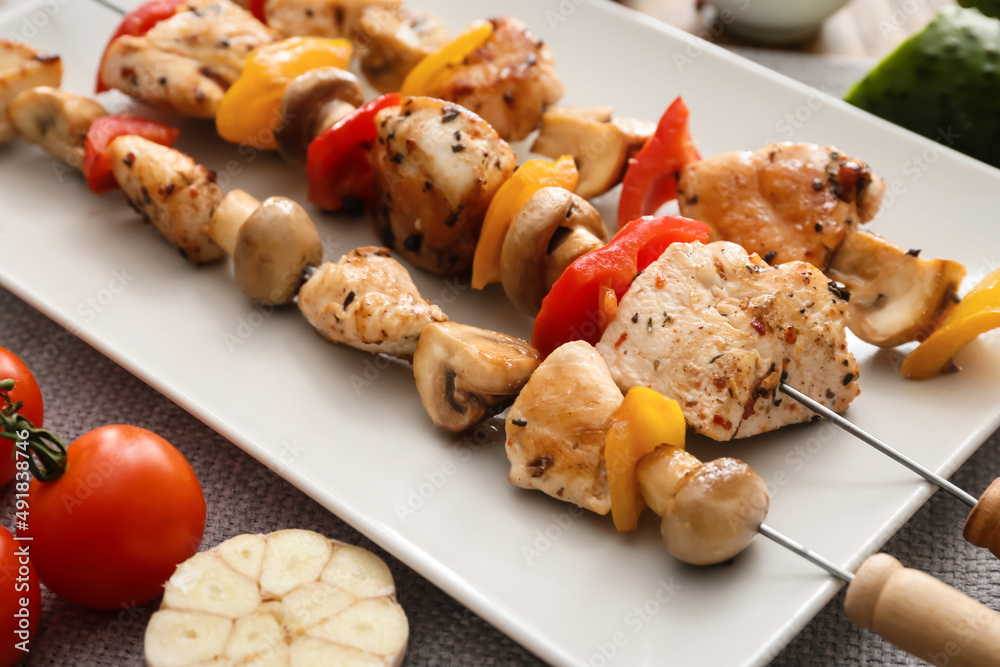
x=22 y=68
x=710 y=511
x=56 y=120
x=551 y=230
x=393 y=40
x=311 y=103
x=895 y=296
x=600 y=144
x=275 y=244
x=462 y=370
x=557 y=426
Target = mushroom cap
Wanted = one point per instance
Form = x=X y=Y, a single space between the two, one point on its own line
x=273 y=246
x=528 y=246
x=715 y=512
x=461 y=370
x=311 y=103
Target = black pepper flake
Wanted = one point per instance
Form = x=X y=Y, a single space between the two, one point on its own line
x=497 y=164
x=656 y=365
x=453 y=216
x=457 y=148
x=162 y=81
x=839 y=290
x=649 y=325
x=784 y=375
x=818 y=226
x=129 y=159
x=817 y=184
x=848 y=378
x=458 y=135
x=413 y=242
x=223 y=43
x=508 y=98
x=519 y=422
x=714 y=359
x=428 y=186
x=391 y=135
x=449 y=114
x=408 y=112
x=769 y=257
x=397 y=158
x=635 y=318
x=309 y=12
x=913 y=252
x=830 y=395
x=349 y=299
x=166 y=191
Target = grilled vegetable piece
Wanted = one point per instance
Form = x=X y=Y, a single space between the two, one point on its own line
x=393 y=40
x=170 y=190
x=187 y=62
x=437 y=167
x=23 y=68
x=509 y=81
x=293 y=597
x=896 y=296
x=56 y=120
x=556 y=428
x=600 y=144
x=942 y=83
x=462 y=370
x=784 y=202
x=367 y=300
x=717 y=330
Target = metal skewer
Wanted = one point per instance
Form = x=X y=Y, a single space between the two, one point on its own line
x=112 y=7
x=808 y=554
x=892 y=453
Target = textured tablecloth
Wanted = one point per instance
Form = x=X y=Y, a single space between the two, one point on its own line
x=83 y=390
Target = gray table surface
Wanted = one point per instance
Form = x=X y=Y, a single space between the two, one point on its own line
x=84 y=389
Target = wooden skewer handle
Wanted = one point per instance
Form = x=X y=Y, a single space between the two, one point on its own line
x=923 y=616
x=982 y=528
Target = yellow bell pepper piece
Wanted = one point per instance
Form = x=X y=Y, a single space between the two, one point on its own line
x=251 y=109
x=509 y=199
x=645 y=420
x=977 y=313
x=430 y=71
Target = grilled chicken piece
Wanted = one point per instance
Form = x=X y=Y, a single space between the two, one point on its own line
x=556 y=428
x=784 y=202
x=187 y=62
x=320 y=18
x=896 y=296
x=22 y=68
x=437 y=166
x=717 y=329
x=170 y=190
x=56 y=120
x=367 y=300
x=509 y=81
x=393 y=41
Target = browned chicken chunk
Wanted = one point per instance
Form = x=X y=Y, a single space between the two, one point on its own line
x=392 y=41
x=717 y=329
x=784 y=202
x=509 y=81
x=437 y=167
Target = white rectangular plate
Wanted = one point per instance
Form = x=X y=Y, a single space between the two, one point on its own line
x=348 y=429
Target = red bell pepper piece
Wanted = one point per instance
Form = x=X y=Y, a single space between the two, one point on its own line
x=577 y=308
x=104 y=130
x=256 y=7
x=137 y=23
x=651 y=178
x=337 y=163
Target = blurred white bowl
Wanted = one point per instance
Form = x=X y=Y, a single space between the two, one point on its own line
x=775 y=21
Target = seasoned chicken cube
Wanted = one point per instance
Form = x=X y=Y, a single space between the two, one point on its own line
x=716 y=329
x=556 y=428
x=22 y=68
x=784 y=202
x=510 y=81
x=170 y=190
x=320 y=18
x=393 y=41
x=367 y=300
x=187 y=62
x=437 y=167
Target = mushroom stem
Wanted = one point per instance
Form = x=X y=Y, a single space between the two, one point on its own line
x=331 y=114
x=577 y=243
x=659 y=473
x=234 y=209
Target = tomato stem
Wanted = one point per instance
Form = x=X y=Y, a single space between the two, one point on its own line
x=46 y=452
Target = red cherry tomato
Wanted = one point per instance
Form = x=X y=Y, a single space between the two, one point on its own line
x=25 y=390
x=109 y=532
x=20 y=598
